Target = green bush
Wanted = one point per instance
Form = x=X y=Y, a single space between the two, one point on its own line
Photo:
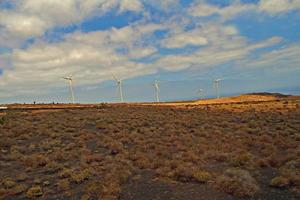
x=2 y=120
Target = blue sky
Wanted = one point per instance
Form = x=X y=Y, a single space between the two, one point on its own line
x=185 y=44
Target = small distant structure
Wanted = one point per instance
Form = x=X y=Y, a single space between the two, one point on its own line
x=120 y=87
x=3 y=108
x=70 y=81
x=217 y=86
x=201 y=94
x=157 y=90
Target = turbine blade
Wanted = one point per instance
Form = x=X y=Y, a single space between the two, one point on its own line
x=116 y=79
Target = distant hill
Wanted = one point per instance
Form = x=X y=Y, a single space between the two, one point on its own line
x=278 y=95
x=250 y=97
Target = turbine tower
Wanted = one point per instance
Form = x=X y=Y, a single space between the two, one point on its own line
x=70 y=81
x=120 y=88
x=157 y=90
x=217 y=87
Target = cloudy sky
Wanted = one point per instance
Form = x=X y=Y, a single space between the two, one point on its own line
x=186 y=44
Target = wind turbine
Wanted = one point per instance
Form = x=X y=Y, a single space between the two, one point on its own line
x=70 y=81
x=157 y=90
x=201 y=93
x=120 y=89
x=217 y=86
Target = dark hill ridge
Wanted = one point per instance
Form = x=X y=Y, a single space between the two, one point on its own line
x=278 y=95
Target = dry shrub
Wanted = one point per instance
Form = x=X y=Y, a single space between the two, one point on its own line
x=110 y=190
x=183 y=173
x=18 y=189
x=63 y=185
x=52 y=167
x=79 y=177
x=85 y=197
x=3 y=193
x=279 y=182
x=93 y=188
x=237 y=182
x=291 y=171
x=65 y=173
x=202 y=176
x=8 y=183
x=143 y=162
x=241 y=159
x=60 y=156
x=35 y=160
x=34 y=192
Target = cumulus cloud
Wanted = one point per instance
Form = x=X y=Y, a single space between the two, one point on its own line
x=22 y=25
x=184 y=39
x=203 y=9
x=31 y=18
x=213 y=55
x=92 y=57
x=277 y=59
x=131 y=5
x=273 y=7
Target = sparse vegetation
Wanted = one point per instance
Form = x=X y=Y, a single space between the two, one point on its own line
x=279 y=182
x=202 y=176
x=238 y=182
x=34 y=192
x=2 y=120
x=96 y=152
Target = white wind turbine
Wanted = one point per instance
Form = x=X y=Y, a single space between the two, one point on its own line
x=70 y=81
x=217 y=86
x=120 y=88
x=201 y=93
x=157 y=90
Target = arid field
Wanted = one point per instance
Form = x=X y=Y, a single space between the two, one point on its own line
x=182 y=151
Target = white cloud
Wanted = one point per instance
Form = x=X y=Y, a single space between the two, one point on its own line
x=224 y=44
x=184 y=39
x=272 y=7
x=286 y=59
x=131 y=5
x=93 y=57
x=31 y=18
x=276 y=7
x=90 y=57
x=203 y=9
x=22 y=25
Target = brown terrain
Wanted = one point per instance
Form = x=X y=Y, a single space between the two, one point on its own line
x=245 y=147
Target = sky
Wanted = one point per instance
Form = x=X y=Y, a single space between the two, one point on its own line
x=252 y=45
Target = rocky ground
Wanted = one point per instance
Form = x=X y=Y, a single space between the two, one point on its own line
x=135 y=152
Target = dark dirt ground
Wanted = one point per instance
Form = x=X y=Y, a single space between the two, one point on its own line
x=132 y=152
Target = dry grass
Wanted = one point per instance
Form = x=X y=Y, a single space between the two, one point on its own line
x=238 y=182
x=34 y=192
x=91 y=153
